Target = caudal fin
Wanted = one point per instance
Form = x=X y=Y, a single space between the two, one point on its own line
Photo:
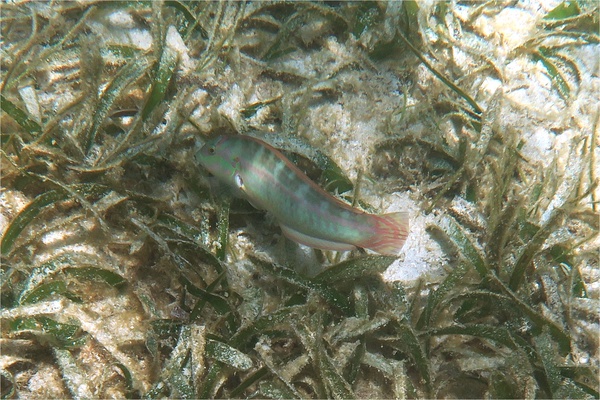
x=390 y=234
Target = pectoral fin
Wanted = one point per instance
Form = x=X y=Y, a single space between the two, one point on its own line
x=239 y=182
x=314 y=242
x=240 y=188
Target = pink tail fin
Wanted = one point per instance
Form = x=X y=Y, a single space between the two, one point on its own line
x=391 y=231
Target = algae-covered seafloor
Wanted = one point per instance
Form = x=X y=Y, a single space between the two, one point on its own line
x=123 y=276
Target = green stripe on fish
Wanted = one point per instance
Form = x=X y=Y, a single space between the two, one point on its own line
x=306 y=213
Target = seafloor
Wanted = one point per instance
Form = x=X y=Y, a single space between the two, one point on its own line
x=125 y=273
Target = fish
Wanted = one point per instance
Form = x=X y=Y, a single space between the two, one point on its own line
x=307 y=214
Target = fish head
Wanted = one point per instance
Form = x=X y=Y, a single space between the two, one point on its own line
x=219 y=159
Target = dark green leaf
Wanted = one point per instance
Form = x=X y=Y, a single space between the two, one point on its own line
x=326 y=292
x=191 y=233
x=72 y=373
x=64 y=335
x=361 y=301
x=561 y=335
x=502 y=387
x=256 y=376
x=566 y=9
x=200 y=303
x=47 y=290
x=219 y=303
x=335 y=181
x=312 y=338
x=477 y=110
x=121 y=51
x=353 y=369
x=352 y=327
x=275 y=390
x=166 y=327
x=181 y=6
x=166 y=67
x=210 y=381
x=354 y=268
x=381 y=363
x=280 y=45
x=367 y=16
x=572 y=390
x=500 y=335
x=584 y=377
x=127 y=75
x=554 y=72
x=465 y=245
x=253 y=108
x=262 y=324
x=338 y=386
x=27 y=215
x=30 y=211
x=7 y=388
x=529 y=251
x=223 y=228
x=97 y=274
x=409 y=340
x=228 y=355
x=548 y=354
x=20 y=116
x=126 y=374
x=451 y=282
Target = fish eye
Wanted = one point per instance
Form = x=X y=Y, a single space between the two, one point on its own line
x=211 y=150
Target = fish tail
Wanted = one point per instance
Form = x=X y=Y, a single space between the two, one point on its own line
x=390 y=232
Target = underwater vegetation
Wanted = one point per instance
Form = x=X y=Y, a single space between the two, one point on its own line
x=123 y=276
